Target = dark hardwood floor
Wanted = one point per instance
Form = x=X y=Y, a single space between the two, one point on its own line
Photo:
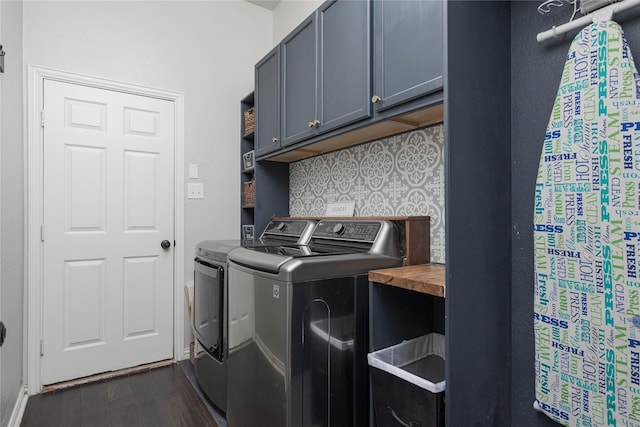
x=159 y=397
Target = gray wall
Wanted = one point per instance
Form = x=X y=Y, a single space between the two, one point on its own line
x=478 y=217
x=536 y=70
x=11 y=207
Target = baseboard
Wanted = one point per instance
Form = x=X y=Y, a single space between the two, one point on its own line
x=18 y=409
x=107 y=375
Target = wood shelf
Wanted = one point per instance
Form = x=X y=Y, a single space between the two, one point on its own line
x=425 y=278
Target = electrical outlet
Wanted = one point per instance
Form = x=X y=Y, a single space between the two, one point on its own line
x=195 y=190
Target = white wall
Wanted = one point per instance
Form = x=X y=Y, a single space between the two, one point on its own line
x=11 y=207
x=204 y=49
x=288 y=14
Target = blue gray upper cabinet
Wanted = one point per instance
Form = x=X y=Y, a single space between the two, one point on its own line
x=344 y=84
x=326 y=75
x=299 y=81
x=408 y=50
x=267 y=103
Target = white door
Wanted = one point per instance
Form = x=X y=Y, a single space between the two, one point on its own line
x=108 y=205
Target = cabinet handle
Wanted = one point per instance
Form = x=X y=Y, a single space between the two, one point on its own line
x=274 y=140
x=376 y=99
x=310 y=125
x=316 y=123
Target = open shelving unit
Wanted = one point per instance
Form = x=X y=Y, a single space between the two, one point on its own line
x=268 y=180
x=247 y=174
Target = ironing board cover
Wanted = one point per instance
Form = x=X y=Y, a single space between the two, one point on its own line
x=587 y=238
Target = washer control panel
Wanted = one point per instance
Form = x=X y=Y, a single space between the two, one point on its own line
x=362 y=231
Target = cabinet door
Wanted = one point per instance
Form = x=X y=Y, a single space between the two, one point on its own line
x=267 y=100
x=299 y=68
x=344 y=74
x=408 y=50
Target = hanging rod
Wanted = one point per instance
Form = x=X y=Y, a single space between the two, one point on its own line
x=548 y=5
x=586 y=20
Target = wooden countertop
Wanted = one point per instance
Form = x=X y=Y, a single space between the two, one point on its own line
x=424 y=278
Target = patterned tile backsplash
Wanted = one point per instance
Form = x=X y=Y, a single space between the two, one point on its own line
x=401 y=175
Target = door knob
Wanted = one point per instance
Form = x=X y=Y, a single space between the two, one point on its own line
x=376 y=99
x=165 y=244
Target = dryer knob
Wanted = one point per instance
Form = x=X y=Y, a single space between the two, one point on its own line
x=338 y=229
x=281 y=226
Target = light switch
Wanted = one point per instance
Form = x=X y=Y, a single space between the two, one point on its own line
x=195 y=190
x=193 y=171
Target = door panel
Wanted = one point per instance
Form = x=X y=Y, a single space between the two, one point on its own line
x=299 y=59
x=108 y=203
x=85 y=189
x=344 y=81
x=84 y=291
x=139 y=122
x=408 y=50
x=268 y=103
x=140 y=287
x=140 y=191
x=85 y=115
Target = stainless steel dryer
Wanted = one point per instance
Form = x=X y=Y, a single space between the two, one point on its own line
x=210 y=309
x=298 y=326
x=210 y=318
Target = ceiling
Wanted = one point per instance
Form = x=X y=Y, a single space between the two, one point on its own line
x=267 y=4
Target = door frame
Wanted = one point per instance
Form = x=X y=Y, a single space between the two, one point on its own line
x=34 y=161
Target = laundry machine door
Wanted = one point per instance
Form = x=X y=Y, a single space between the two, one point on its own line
x=208 y=307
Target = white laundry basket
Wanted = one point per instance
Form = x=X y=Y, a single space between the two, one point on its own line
x=408 y=382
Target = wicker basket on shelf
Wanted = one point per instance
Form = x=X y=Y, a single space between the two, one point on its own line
x=249 y=193
x=249 y=121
